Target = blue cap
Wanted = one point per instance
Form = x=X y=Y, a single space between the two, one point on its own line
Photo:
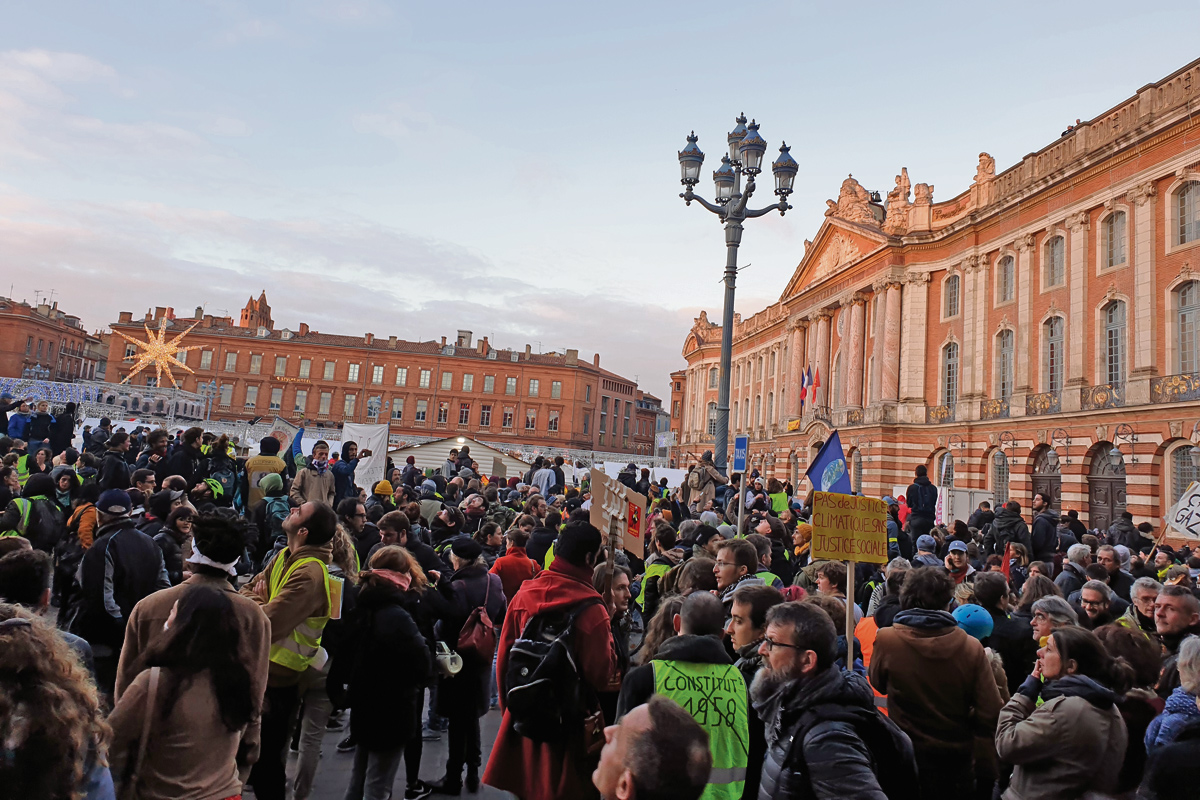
x=114 y=502
x=926 y=542
x=891 y=501
x=958 y=546
x=974 y=620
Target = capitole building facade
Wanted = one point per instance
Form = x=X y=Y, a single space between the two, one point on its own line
x=1038 y=331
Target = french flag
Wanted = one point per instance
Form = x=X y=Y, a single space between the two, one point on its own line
x=803 y=387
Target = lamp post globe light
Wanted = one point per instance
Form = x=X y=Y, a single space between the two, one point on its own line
x=746 y=150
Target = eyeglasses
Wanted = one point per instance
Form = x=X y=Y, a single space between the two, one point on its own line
x=772 y=644
x=1092 y=603
x=724 y=564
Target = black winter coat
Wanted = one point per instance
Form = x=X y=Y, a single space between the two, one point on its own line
x=172 y=552
x=467 y=692
x=114 y=471
x=384 y=663
x=1007 y=526
x=831 y=760
x=1044 y=536
x=1012 y=638
x=1173 y=771
x=186 y=462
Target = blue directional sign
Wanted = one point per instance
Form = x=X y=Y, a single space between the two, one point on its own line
x=740 y=445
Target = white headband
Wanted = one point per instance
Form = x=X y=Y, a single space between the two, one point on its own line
x=199 y=558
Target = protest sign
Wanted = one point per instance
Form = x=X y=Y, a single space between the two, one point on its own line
x=849 y=528
x=1184 y=516
x=618 y=512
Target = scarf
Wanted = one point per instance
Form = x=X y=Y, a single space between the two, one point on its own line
x=401 y=580
x=319 y=466
x=199 y=558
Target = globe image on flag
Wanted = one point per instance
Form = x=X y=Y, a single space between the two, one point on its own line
x=833 y=471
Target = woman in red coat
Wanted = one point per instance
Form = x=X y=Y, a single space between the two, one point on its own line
x=549 y=770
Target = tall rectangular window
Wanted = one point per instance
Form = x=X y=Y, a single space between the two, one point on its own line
x=555 y=389
x=587 y=393
x=1056 y=254
x=377 y=374
x=468 y=383
x=280 y=366
x=425 y=378
x=41 y=347
x=464 y=413
x=348 y=406
x=326 y=403
x=443 y=413
x=1114 y=239
x=530 y=419
x=951 y=290
x=587 y=422
x=352 y=373
x=206 y=359
x=401 y=376
x=552 y=422
x=1004 y=364
x=251 y=396
x=628 y=407
x=276 y=398
x=950 y=375
x=330 y=366
x=182 y=356
x=301 y=405
x=507 y=420
x=305 y=368
x=29 y=345
x=231 y=362
x=422 y=405
x=397 y=408
x=603 y=414
x=533 y=387
x=227 y=394
x=1054 y=354
x=447 y=381
x=255 y=364
x=510 y=386
x=1005 y=280
x=489 y=384
x=485 y=416
x=1114 y=342
x=374 y=406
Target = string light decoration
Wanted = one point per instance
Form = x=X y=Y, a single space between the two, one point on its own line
x=156 y=351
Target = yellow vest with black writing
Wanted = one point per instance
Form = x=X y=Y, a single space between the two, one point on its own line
x=298 y=649
x=715 y=696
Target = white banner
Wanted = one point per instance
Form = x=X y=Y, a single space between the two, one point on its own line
x=1184 y=516
x=375 y=439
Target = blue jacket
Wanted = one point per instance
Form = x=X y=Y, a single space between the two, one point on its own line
x=1179 y=711
x=343 y=479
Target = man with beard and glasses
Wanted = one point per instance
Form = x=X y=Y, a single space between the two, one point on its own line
x=824 y=737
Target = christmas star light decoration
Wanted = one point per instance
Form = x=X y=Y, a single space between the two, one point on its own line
x=159 y=352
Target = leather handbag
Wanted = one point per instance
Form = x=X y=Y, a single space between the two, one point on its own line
x=477 y=639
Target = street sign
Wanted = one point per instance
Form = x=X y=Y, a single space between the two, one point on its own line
x=1184 y=516
x=740 y=445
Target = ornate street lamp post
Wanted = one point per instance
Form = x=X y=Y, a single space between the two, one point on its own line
x=746 y=149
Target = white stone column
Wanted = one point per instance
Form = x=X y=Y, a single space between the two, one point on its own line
x=1142 y=318
x=854 y=373
x=1025 y=282
x=889 y=368
x=1078 y=225
x=822 y=365
x=983 y=345
x=912 y=354
x=796 y=357
x=967 y=353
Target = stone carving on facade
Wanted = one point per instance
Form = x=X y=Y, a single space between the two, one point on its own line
x=1142 y=192
x=1176 y=427
x=1101 y=433
x=896 y=221
x=1025 y=242
x=840 y=250
x=985 y=178
x=971 y=263
x=853 y=204
x=917 y=278
x=923 y=194
x=1078 y=222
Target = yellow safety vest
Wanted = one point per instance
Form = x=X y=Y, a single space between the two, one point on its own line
x=298 y=649
x=23 y=470
x=549 y=558
x=715 y=696
x=658 y=568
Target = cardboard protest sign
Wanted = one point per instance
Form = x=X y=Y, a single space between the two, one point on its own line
x=849 y=528
x=1184 y=516
x=618 y=511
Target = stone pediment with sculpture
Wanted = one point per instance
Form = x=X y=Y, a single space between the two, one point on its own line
x=836 y=248
x=702 y=333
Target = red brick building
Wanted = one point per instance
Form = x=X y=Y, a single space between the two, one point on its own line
x=43 y=336
x=1038 y=331
x=420 y=388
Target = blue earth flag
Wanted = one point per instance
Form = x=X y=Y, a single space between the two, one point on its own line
x=828 y=471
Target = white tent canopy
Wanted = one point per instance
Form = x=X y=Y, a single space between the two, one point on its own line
x=432 y=455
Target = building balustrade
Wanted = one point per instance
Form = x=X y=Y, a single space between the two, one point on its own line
x=1106 y=395
x=936 y=415
x=994 y=409
x=1175 y=388
x=1037 y=405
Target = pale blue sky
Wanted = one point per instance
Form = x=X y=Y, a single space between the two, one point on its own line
x=410 y=169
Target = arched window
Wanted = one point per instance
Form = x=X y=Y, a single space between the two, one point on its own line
x=734 y=418
x=770 y=407
x=712 y=419
x=950 y=294
x=1188 y=209
x=772 y=370
x=758 y=373
x=857 y=461
x=1004 y=364
x=945 y=470
x=999 y=479
x=1005 y=280
x=746 y=415
x=737 y=375
x=1114 y=239
x=757 y=410
x=1188 y=298
x=1114 y=342
x=714 y=377
x=1182 y=471
x=1056 y=254
x=1053 y=353
x=950 y=374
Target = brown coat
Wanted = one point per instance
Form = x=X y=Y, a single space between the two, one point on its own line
x=712 y=479
x=311 y=487
x=301 y=597
x=191 y=754
x=938 y=681
x=147 y=620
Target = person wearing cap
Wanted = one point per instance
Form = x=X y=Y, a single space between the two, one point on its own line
x=122 y=566
x=977 y=623
x=267 y=462
x=464 y=698
x=926 y=552
x=959 y=564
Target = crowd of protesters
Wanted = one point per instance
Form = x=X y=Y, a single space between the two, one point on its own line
x=176 y=617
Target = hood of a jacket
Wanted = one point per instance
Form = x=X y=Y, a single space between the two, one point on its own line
x=374 y=596
x=672 y=557
x=1181 y=702
x=886 y=611
x=321 y=552
x=1007 y=520
x=696 y=649
x=1122 y=526
x=1095 y=693
x=925 y=620
x=1049 y=516
x=922 y=481
x=542 y=536
x=563 y=584
x=927 y=560
x=839 y=687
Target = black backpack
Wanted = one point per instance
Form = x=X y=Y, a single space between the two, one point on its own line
x=891 y=749
x=546 y=698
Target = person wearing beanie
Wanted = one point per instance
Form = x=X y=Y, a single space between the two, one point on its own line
x=267 y=462
x=464 y=698
x=381 y=495
x=268 y=516
x=927 y=552
x=410 y=475
x=122 y=566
